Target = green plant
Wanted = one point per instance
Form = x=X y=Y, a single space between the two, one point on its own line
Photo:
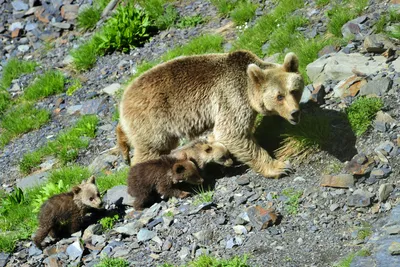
x=112 y=262
x=338 y=16
x=127 y=28
x=84 y=57
x=292 y=201
x=203 y=195
x=346 y=262
x=107 y=181
x=15 y=198
x=46 y=192
x=243 y=12
x=169 y=214
x=224 y=6
x=321 y=3
x=108 y=222
x=88 y=18
x=190 y=21
x=253 y=38
x=208 y=261
x=21 y=119
x=361 y=113
x=162 y=13
x=301 y=140
x=65 y=146
x=51 y=82
x=395 y=32
x=69 y=175
x=75 y=85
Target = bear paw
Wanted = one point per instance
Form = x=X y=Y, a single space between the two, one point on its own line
x=184 y=194
x=278 y=169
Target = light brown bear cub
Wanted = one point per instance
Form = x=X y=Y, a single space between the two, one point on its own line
x=153 y=180
x=63 y=214
x=203 y=152
x=186 y=96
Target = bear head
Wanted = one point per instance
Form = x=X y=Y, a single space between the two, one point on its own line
x=87 y=194
x=184 y=170
x=277 y=90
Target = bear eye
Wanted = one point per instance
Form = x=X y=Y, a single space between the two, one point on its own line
x=91 y=198
x=280 y=97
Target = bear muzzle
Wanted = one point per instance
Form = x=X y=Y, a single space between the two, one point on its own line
x=295 y=114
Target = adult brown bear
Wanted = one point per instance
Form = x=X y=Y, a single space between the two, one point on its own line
x=224 y=92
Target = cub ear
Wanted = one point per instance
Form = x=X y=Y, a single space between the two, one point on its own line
x=178 y=168
x=256 y=74
x=181 y=155
x=91 y=180
x=291 y=63
x=76 y=190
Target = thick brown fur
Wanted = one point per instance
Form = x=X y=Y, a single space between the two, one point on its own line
x=63 y=214
x=150 y=181
x=203 y=152
x=224 y=92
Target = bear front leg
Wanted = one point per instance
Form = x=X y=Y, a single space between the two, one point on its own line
x=40 y=235
x=249 y=152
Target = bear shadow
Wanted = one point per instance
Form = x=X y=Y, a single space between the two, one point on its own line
x=336 y=137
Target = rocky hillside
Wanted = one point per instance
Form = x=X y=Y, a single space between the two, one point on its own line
x=339 y=207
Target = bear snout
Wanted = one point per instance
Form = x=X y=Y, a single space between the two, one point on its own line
x=295 y=116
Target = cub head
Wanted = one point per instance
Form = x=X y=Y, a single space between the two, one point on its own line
x=216 y=152
x=186 y=171
x=277 y=90
x=88 y=194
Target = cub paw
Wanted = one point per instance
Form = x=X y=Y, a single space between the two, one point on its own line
x=184 y=194
x=278 y=169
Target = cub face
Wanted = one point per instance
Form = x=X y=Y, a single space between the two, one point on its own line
x=186 y=171
x=88 y=193
x=280 y=89
x=218 y=153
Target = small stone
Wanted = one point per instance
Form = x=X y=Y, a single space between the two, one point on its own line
x=34 y=251
x=384 y=191
x=394 y=248
x=393 y=230
x=261 y=218
x=23 y=48
x=204 y=235
x=76 y=109
x=377 y=43
x=18 y=5
x=62 y=25
x=145 y=235
x=243 y=180
x=75 y=250
x=93 y=106
x=380 y=173
x=69 y=12
x=15 y=25
x=167 y=245
x=350 y=29
x=33 y=180
x=338 y=181
x=359 y=198
x=103 y=162
x=377 y=87
x=334 y=206
x=94 y=229
x=131 y=228
x=328 y=50
x=240 y=229
x=184 y=252
x=112 y=89
x=299 y=179
x=360 y=164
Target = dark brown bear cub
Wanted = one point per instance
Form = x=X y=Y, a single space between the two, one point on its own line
x=153 y=180
x=63 y=214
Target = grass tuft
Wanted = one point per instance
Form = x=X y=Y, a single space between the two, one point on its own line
x=112 y=262
x=224 y=6
x=243 y=12
x=84 y=56
x=346 y=262
x=301 y=140
x=51 y=82
x=161 y=12
x=88 y=18
x=190 y=21
x=108 y=222
x=107 y=181
x=203 y=195
x=21 y=119
x=208 y=261
x=292 y=202
x=361 y=113
x=65 y=147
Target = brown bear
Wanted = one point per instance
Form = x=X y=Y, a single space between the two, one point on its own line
x=186 y=96
x=63 y=214
x=203 y=152
x=153 y=180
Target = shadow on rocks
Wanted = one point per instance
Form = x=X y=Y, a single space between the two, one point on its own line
x=330 y=129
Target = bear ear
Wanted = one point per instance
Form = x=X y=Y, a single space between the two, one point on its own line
x=208 y=148
x=91 y=180
x=291 y=63
x=76 y=190
x=256 y=74
x=178 y=168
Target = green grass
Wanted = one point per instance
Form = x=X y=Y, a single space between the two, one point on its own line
x=84 y=56
x=346 y=262
x=224 y=6
x=109 y=222
x=75 y=84
x=51 y=82
x=12 y=70
x=161 y=12
x=65 y=147
x=292 y=202
x=21 y=119
x=310 y=135
x=208 y=261
x=253 y=38
x=203 y=195
x=88 y=18
x=361 y=113
x=190 y=21
x=395 y=32
x=107 y=181
x=243 y=12
x=112 y=262
x=321 y=3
